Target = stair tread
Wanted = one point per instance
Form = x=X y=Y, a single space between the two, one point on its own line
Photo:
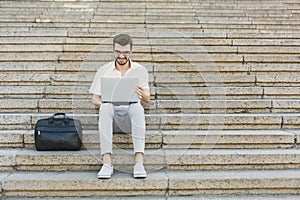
x=158 y=114
x=163 y=176
x=155 y=159
x=239 y=197
x=179 y=152
x=194 y=197
x=175 y=139
x=92 y=198
x=185 y=132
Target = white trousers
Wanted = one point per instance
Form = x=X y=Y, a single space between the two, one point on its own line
x=119 y=120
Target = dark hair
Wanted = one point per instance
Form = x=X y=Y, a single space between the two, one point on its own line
x=122 y=39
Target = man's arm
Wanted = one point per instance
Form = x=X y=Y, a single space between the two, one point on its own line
x=96 y=99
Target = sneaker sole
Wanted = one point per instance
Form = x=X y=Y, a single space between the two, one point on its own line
x=139 y=176
x=104 y=177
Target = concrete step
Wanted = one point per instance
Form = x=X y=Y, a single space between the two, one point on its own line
x=227 y=68
x=156 y=197
x=180 y=79
x=264 y=35
x=277 y=21
x=188 y=92
x=66 y=57
x=168 y=93
x=238 y=197
x=34 y=33
x=206 y=69
x=140 y=33
x=170 y=79
x=173 y=183
x=60 y=69
x=58 y=56
x=268 y=50
x=228 y=106
x=155 y=159
x=279 y=58
x=179 y=121
x=243 y=30
x=194 y=197
x=224 y=21
x=217 y=106
x=238 y=139
x=84 y=106
x=182 y=36
x=265 y=42
x=218 y=58
x=266 y=68
x=230 y=139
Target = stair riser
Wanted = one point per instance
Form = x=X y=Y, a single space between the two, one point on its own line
x=173 y=187
x=173 y=122
x=173 y=139
x=153 y=162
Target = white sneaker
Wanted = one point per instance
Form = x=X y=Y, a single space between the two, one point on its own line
x=139 y=171
x=106 y=171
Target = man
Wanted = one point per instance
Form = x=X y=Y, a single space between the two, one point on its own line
x=127 y=118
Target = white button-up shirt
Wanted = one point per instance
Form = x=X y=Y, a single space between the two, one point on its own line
x=109 y=70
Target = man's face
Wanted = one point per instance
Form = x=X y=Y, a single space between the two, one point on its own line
x=122 y=53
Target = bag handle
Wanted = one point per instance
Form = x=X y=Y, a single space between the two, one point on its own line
x=66 y=120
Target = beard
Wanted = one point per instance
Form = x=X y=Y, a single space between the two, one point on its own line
x=122 y=61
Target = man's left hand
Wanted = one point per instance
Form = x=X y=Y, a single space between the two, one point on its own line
x=143 y=94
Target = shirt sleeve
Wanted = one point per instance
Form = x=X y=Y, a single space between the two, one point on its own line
x=144 y=79
x=96 y=84
x=143 y=76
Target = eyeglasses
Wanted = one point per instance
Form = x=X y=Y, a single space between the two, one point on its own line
x=118 y=53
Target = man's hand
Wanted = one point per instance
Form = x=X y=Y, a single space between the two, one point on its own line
x=143 y=94
x=96 y=100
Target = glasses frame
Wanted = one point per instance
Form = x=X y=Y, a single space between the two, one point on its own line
x=125 y=53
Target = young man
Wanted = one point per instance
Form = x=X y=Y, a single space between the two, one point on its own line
x=127 y=118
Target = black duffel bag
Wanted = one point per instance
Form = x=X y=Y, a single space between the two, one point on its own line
x=58 y=133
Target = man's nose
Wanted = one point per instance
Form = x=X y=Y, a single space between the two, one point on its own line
x=121 y=55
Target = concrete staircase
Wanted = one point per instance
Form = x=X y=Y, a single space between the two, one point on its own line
x=223 y=121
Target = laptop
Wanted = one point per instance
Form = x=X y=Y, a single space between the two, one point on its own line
x=119 y=91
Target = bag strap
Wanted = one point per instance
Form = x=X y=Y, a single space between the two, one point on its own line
x=66 y=120
x=56 y=114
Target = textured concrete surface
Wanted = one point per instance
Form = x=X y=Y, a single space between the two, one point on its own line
x=200 y=55
x=155 y=159
x=157 y=183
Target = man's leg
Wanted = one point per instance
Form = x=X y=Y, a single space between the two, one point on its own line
x=137 y=117
x=138 y=127
x=106 y=115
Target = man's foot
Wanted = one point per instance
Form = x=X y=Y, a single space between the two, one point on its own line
x=106 y=171
x=139 y=171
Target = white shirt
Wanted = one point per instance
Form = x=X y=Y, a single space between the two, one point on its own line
x=109 y=70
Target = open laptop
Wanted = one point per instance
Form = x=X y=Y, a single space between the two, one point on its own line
x=119 y=91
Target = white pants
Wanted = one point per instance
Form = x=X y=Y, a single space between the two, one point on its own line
x=122 y=120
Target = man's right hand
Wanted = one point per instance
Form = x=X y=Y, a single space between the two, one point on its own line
x=96 y=99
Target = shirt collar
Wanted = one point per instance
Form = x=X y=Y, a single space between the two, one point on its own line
x=132 y=66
